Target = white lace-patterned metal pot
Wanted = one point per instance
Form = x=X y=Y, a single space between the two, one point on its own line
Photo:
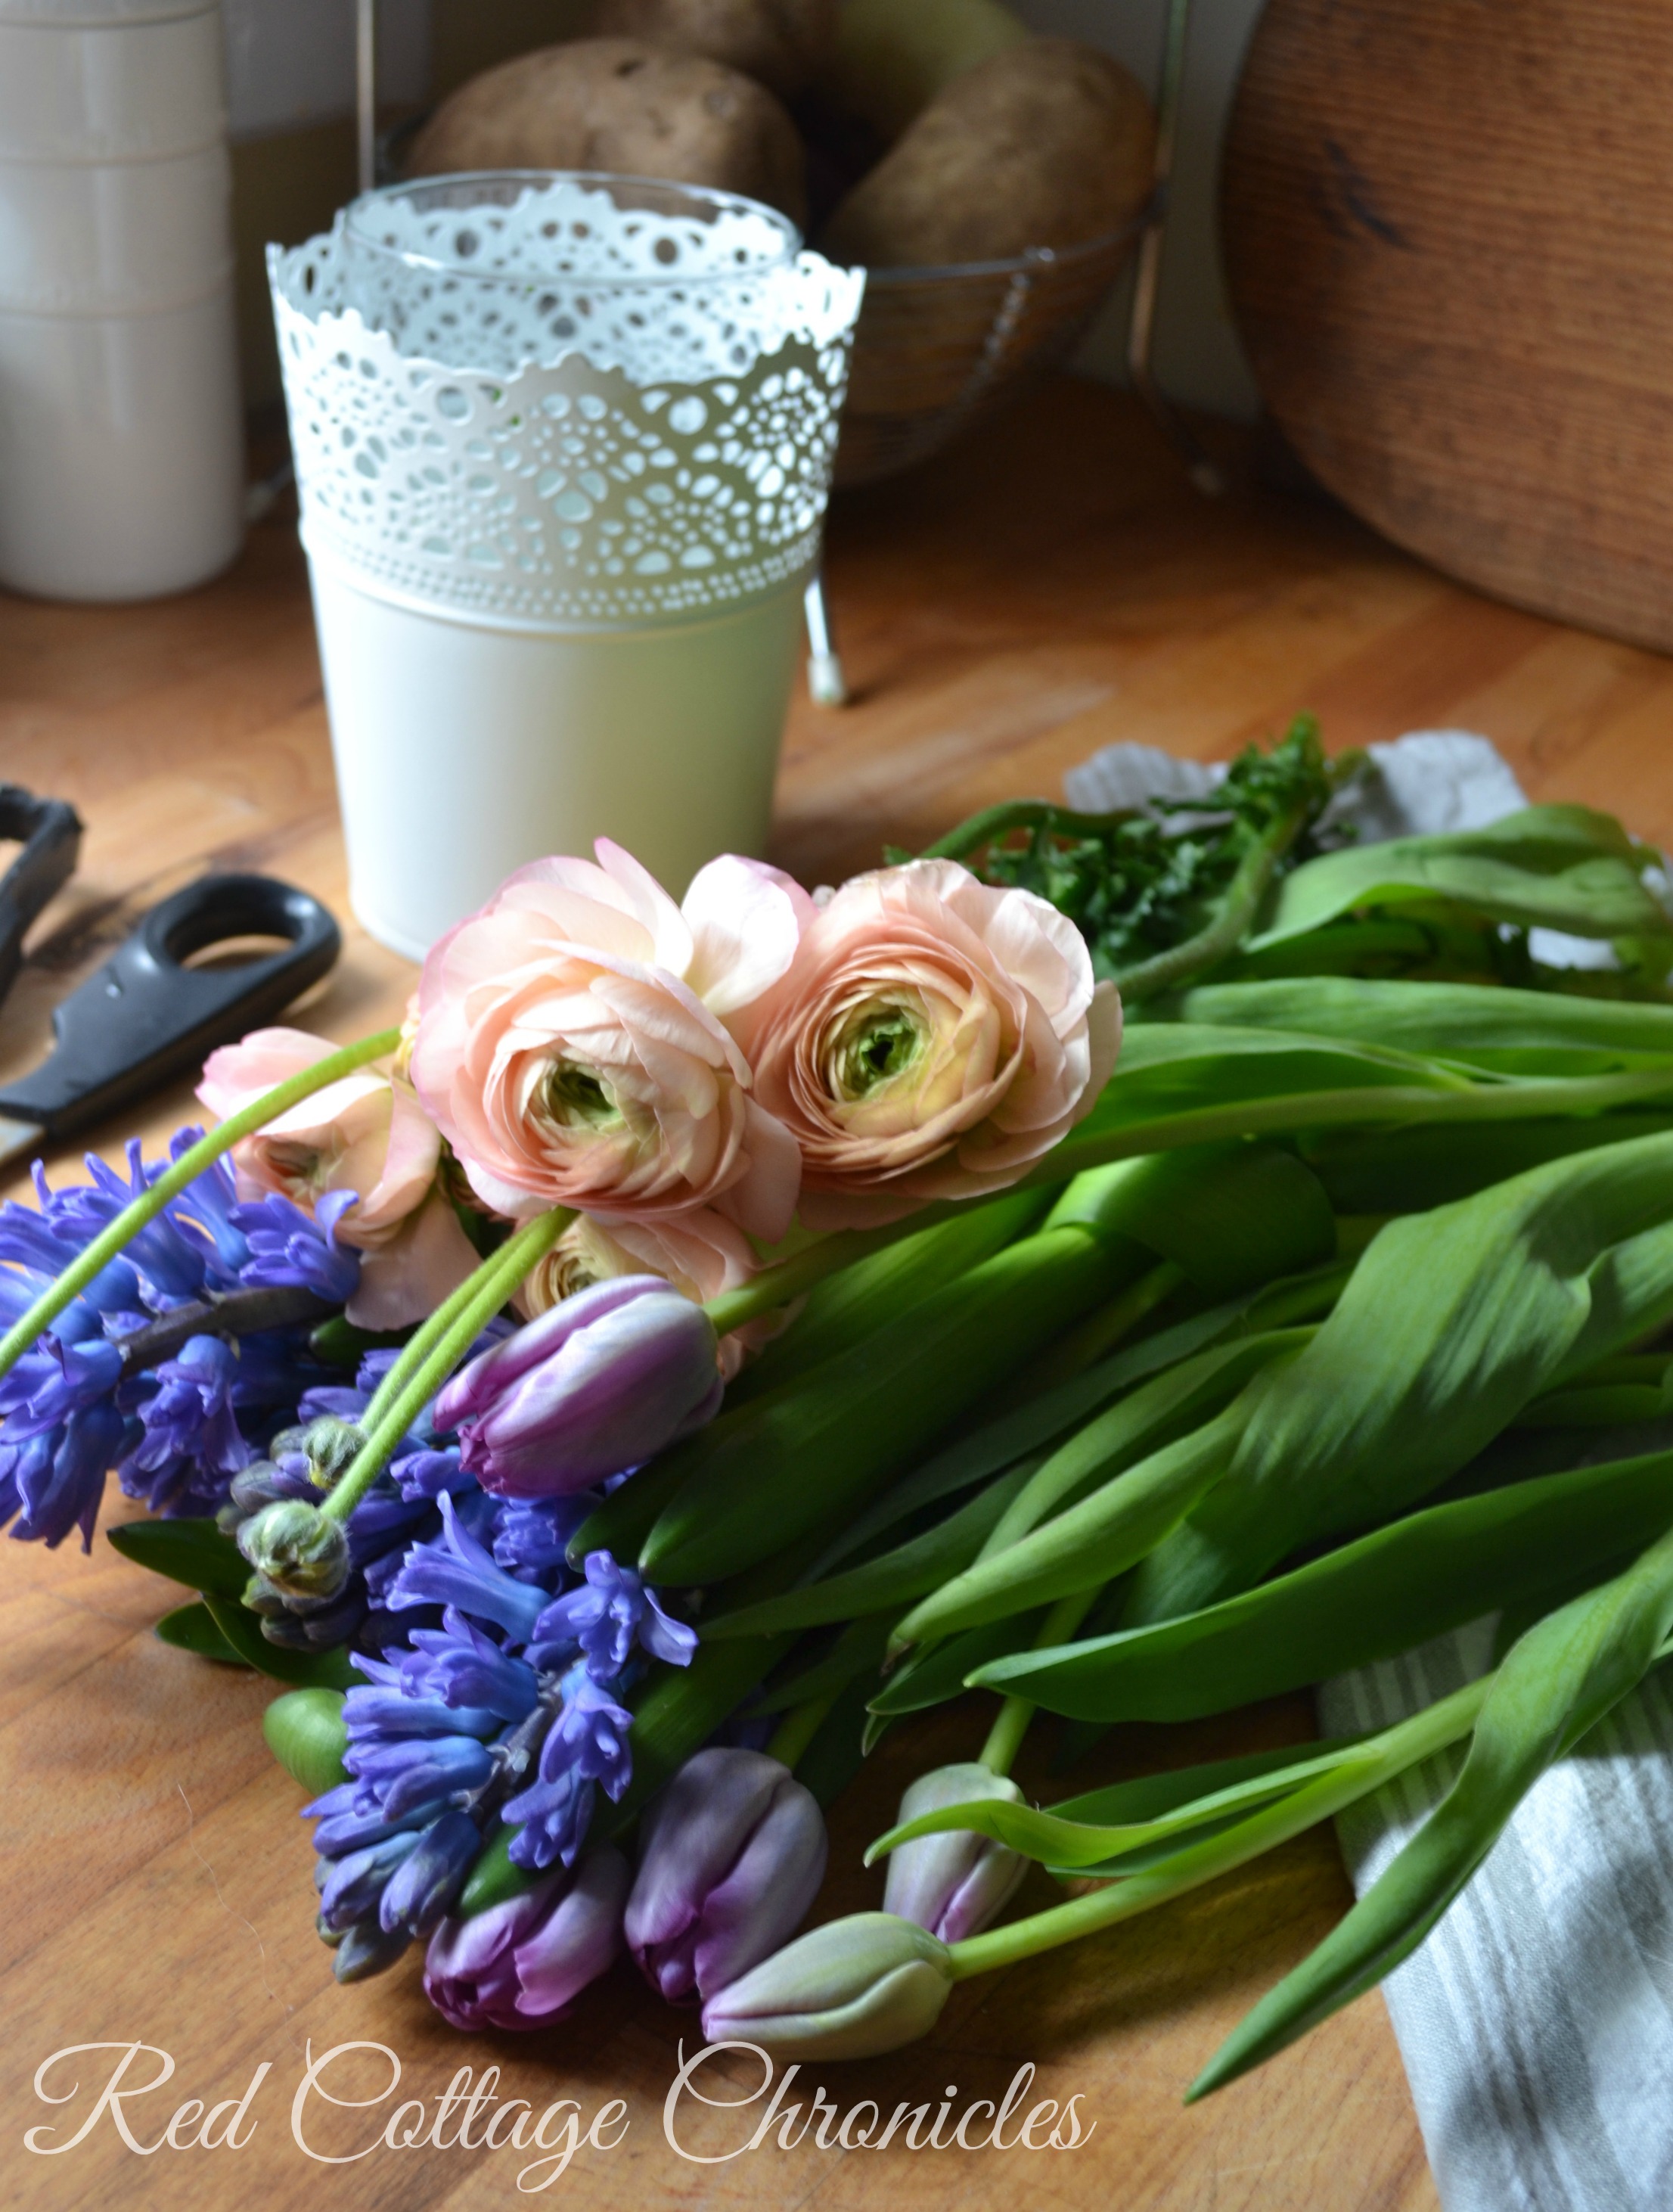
x=564 y=445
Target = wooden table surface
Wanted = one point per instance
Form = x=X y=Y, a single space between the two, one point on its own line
x=1003 y=614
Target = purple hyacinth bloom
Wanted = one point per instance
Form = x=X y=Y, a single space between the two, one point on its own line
x=173 y=1261
x=427 y=1472
x=612 y=1612
x=350 y=1888
x=410 y=1771
x=591 y=1388
x=191 y=1417
x=28 y=1241
x=586 y=1745
x=732 y=1856
x=55 y=1380
x=460 y=1666
x=208 y=1204
x=405 y=1751
x=342 y=1828
x=54 y=1481
x=457 y=1570
x=522 y=1965
x=290 y=1249
x=531 y=1535
x=429 y=1879
x=955 y=1883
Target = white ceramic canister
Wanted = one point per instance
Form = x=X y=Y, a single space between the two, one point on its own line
x=110 y=91
x=121 y=431
x=564 y=446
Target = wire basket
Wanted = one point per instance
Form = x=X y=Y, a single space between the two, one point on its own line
x=937 y=350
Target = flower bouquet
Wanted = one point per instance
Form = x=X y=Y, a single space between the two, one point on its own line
x=703 y=1336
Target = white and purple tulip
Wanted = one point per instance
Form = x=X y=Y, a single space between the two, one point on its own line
x=953 y=1884
x=595 y=1387
x=731 y=1855
x=522 y=1965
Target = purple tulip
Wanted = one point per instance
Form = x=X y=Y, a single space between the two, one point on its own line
x=593 y=1389
x=732 y=1856
x=952 y=1884
x=523 y=1964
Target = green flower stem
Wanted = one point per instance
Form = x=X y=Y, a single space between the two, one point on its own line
x=994 y=823
x=467 y=1316
x=424 y=1339
x=1004 y=1738
x=1364 y=1769
x=827 y=1255
x=111 y=1240
x=799 y=1727
x=1104 y=1328
x=1393 y=1104
x=1165 y=971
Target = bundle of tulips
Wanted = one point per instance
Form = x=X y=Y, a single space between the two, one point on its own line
x=704 y=1334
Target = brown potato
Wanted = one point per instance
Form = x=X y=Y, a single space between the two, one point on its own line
x=624 y=107
x=782 y=43
x=1050 y=144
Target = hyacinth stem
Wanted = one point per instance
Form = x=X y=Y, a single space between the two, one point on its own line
x=1004 y=1738
x=1363 y=1769
x=114 y=1239
x=451 y=1331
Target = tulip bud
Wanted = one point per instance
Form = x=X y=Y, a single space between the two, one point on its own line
x=953 y=1884
x=293 y=1545
x=852 y=1988
x=731 y=1855
x=593 y=1389
x=523 y=1963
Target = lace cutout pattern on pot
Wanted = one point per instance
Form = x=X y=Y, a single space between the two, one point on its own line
x=597 y=445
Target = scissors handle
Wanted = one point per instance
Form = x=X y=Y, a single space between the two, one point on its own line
x=145 y=1017
x=49 y=832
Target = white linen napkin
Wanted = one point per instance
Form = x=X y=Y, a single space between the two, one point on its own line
x=1535 y=2024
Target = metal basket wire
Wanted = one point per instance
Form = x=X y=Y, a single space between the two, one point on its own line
x=937 y=350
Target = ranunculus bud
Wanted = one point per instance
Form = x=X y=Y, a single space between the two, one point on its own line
x=953 y=1884
x=296 y=1549
x=523 y=1964
x=731 y=1855
x=591 y=1388
x=852 y=1988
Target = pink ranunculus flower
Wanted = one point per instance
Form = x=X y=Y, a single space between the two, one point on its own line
x=366 y=1133
x=701 y=1254
x=932 y=1039
x=574 y=1044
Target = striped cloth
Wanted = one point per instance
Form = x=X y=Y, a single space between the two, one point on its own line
x=1536 y=2022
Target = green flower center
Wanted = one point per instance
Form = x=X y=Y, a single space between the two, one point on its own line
x=576 y=1098
x=873 y=1048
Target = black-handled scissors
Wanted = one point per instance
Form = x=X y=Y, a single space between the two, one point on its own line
x=146 y=1017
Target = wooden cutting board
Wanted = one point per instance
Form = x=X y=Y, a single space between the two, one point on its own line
x=1449 y=238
